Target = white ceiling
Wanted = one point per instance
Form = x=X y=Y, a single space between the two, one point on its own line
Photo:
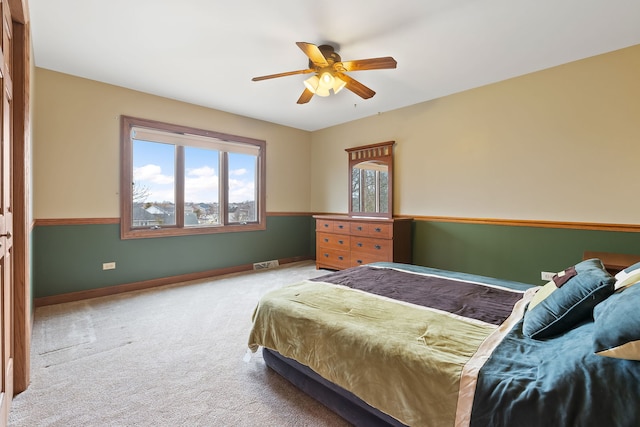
x=205 y=52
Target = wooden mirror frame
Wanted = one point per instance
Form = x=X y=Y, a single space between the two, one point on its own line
x=381 y=153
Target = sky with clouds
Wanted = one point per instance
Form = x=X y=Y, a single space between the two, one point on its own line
x=153 y=169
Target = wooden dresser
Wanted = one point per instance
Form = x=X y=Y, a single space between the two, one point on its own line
x=343 y=241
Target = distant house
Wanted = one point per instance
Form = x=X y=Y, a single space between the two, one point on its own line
x=153 y=215
x=154 y=210
x=143 y=218
x=190 y=217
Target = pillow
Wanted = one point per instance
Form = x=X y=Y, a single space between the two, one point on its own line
x=541 y=294
x=616 y=331
x=556 y=282
x=628 y=276
x=566 y=306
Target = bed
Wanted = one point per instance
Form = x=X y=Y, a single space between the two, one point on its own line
x=396 y=344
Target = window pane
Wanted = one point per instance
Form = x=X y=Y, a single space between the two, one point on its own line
x=242 y=188
x=384 y=192
x=370 y=191
x=154 y=190
x=201 y=191
x=355 y=189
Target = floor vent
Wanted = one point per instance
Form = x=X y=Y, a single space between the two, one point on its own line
x=265 y=264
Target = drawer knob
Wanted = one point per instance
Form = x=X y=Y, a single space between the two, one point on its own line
x=378 y=247
x=341 y=226
x=359 y=261
x=378 y=229
x=340 y=258
x=359 y=228
x=359 y=244
x=326 y=255
x=326 y=225
x=326 y=240
x=341 y=242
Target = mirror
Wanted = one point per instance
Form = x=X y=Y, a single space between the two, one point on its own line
x=371 y=180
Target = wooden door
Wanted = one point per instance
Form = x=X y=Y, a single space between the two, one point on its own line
x=6 y=221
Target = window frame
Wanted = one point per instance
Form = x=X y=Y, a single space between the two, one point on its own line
x=127 y=231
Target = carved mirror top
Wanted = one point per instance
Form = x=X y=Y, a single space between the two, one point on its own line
x=371 y=180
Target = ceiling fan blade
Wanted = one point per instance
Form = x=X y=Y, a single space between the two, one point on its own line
x=369 y=64
x=288 y=73
x=314 y=54
x=356 y=87
x=305 y=97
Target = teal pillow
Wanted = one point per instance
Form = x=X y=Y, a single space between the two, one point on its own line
x=616 y=331
x=571 y=303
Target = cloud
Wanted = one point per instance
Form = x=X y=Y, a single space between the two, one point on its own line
x=238 y=172
x=159 y=186
x=203 y=171
x=241 y=191
x=152 y=174
x=201 y=185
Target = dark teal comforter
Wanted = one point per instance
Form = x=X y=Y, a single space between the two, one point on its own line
x=556 y=382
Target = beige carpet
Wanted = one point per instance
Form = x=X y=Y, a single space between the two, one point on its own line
x=172 y=356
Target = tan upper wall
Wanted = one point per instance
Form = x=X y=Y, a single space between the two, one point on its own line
x=76 y=146
x=561 y=144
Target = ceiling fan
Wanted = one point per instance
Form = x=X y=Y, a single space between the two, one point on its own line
x=330 y=70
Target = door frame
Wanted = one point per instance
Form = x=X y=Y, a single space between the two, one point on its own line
x=21 y=201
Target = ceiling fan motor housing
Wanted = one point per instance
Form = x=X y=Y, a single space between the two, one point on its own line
x=329 y=53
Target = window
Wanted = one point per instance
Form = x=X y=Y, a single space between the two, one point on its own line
x=178 y=180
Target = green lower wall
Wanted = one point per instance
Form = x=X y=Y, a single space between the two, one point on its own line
x=511 y=252
x=69 y=258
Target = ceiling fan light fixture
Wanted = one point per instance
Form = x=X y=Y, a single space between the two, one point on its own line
x=322 y=91
x=312 y=83
x=338 y=84
x=326 y=82
x=320 y=85
x=326 y=79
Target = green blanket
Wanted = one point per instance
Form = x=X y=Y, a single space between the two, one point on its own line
x=405 y=360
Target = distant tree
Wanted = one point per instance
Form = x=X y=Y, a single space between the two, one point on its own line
x=140 y=192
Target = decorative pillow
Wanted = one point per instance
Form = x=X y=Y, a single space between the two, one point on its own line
x=616 y=329
x=556 y=282
x=570 y=304
x=628 y=276
x=563 y=277
x=542 y=294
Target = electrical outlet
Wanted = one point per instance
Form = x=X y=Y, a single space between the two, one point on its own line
x=546 y=276
x=109 y=265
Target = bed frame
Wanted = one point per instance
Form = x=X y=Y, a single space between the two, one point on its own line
x=344 y=403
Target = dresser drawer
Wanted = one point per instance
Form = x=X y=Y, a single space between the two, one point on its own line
x=332 y=226
x=324 y=225
x=362 y=258
x=333 y=258
x=333 y=241
x=371 y=246
x=371 y=229
x=341 y=227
